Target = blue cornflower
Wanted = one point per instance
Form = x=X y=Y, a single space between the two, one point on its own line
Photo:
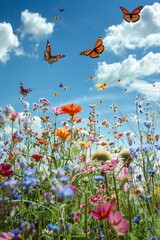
x=133 y=153
x=147 y=124
x=158 y=211
x=16 y=194
x=153 y=237
x=29 y=182
x=131 y=169
x=64 y=178
x=150 y=171
x=30 y=171
x=64 y=192
x=99 y=179
x=101 y=235
x=137 y=219
x=143 y=196
x=67 y=168
x=157 y=145
x=145 y=148
x=150 y=228
x=139 y=177
x=53 y=228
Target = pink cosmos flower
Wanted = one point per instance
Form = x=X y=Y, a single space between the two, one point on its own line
x=110 y=165
x=6 y=235
x=14 y=115
x=96 y=199
x=120 y=224
x=124 y=174
x=56 y=110
x=103 y=211
x=126 y=187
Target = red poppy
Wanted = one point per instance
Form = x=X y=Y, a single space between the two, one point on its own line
x=36 y=157
x=5 y=170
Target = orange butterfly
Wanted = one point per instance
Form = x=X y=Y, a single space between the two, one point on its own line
x=98 y=49
x=131 y=16
x=48 y=57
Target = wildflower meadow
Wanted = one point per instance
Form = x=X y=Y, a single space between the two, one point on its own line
x=68 y=180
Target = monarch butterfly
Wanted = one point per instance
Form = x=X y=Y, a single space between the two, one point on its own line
x=24 y=91
x=98 y=49
x=48 y=57
x=131 y=16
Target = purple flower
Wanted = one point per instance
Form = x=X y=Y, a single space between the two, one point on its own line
x=137 y=219
x=147 y=124
x=150 y=171
x=157 y=145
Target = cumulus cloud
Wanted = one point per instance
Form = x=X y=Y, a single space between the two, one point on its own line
x=34 y=25
x=132 y=73
x=8 y=42
x=143 y=34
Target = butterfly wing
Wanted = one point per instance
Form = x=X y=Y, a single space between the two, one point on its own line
x=135 y=14
x=131 y=16
x=127 y=14
x=24 y=91
x=98 y=49
x=55 y=58
x=86 y=52
x=61 y=9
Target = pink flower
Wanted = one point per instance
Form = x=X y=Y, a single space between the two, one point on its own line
x=14 y=115
x=102 y=212
x=120 y=224
x=96 y=199
x=56 y=110
x=110 y=165
x=126 y=187
x=123 y=174
x=6 y=235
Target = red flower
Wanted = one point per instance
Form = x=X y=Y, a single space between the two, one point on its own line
x=71 y=109
x=5 y=170
x=102 y=212
x=36 y=157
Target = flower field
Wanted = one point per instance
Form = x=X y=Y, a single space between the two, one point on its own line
x=68 y=181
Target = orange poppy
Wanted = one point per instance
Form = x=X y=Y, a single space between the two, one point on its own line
x=63 y=133
x=103 y=143
x=118 y=135
x=71 y=109
x=85 y=144
x=104 y=123
x=150 y=137
x=42 y=141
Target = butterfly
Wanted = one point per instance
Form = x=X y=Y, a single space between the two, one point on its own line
x=131 y=16
x=98 y=49
x=48 y=57
x=24 y=91
x=61 y=9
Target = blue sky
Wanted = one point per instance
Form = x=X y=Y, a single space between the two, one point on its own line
x=132 y=52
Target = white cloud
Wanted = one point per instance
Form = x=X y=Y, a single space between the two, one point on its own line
x=132 y=73
x=143 y=34
x=34 y=25
x=8 y=42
